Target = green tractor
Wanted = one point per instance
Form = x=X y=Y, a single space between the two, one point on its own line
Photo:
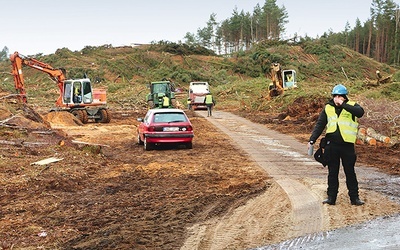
x=161 y=95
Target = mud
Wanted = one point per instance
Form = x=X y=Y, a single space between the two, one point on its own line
x=108 y=193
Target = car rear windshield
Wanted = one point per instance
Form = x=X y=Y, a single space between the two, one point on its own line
x=169 y=117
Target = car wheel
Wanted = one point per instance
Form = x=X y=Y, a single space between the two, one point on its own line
x=139 y=141
x=147 y=146
x=189 y=145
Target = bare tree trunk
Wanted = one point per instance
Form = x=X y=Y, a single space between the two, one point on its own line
x=377 y=55
x=364 y=46
x=251 y=30
x=396 y=45
x=387 y=47
x=357 y=42
x=368 y=52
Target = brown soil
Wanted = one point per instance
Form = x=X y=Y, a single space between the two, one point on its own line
x=106 y=192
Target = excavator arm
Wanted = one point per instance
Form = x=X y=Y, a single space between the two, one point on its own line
x=277 y=82
x=75 y=96
x=18 y=60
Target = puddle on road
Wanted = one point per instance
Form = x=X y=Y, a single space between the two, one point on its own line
x=381 y=233
x=283 y=150
x=382 y=183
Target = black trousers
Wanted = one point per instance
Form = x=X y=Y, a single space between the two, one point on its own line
x=345 y=153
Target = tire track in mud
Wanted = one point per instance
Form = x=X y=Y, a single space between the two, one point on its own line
x=285 y=160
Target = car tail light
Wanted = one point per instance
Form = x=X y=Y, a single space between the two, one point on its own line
x=189 y=128
x=152 y=129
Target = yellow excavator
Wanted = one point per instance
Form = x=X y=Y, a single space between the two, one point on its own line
x=281 y=80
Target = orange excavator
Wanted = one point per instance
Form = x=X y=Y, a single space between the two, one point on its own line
x=76 y=95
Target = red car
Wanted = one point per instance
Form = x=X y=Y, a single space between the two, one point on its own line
x=161 y=126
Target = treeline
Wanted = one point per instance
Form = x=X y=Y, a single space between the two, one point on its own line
x=242 y=30
x=378 y=37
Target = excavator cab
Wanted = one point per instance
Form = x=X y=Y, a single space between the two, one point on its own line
x=289 y=79
x=77 y=92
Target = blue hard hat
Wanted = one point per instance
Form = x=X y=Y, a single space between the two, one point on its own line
x=339 y=90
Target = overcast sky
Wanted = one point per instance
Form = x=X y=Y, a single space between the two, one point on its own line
x=43 y=26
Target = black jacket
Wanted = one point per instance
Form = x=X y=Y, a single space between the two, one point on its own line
x=356 y=111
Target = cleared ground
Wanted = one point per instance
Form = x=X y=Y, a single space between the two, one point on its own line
x=110 y=193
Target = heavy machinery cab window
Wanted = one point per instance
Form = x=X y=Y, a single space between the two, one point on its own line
x=77 y=95
x=159 y=88
x=87 y=92
x=67 y=92
x=77 y=92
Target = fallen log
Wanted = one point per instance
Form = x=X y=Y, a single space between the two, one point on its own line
x=385 y=80
x=382 y=138
x=14 y=143
x=20 y=143
x=93 y=147
x=89 y=143
x=362 y=135
x=47 y=161
x=381 y=79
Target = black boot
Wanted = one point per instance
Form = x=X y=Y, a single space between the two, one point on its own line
x=357 y=202
x=330 y=200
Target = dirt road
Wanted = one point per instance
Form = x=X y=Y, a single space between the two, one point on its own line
x=303 y=181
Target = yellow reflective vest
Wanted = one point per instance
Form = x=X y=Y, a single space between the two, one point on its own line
x=347 y=126
x=209 y=99
x=165 y=101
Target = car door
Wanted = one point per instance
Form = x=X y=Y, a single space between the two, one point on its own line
x=144 y=125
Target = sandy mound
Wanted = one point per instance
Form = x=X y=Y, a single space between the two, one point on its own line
x=63 y=118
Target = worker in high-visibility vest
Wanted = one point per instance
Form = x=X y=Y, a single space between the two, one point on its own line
x=189 y=103
x=77 y=95
x=340 y=119
x=210 y=102
x=165 y=103
x=290 y=78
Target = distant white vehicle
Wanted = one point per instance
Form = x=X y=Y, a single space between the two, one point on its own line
x=197 y=94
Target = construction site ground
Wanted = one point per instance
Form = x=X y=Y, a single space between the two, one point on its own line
x=242 y=186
